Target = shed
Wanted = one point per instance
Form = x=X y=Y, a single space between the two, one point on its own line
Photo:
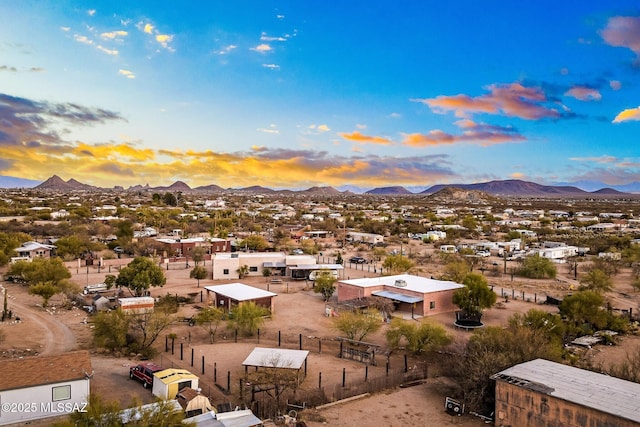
x=239 y=418
x=167 y=383
x=541 y=392
x=225 y=296
x=193 y=402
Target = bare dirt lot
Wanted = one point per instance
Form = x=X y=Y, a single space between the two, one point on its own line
x=299 y=316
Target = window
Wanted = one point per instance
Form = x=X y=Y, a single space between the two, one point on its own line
x=225 y=271
x=253 y=269
x=61 y=393
x=432 y=305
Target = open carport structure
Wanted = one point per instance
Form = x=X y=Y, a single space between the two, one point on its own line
x=226 y=296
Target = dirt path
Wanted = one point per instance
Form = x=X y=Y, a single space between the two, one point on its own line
x=56 y=338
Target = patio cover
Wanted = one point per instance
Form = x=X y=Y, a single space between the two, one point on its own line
x=282 y=358
x=397 y=297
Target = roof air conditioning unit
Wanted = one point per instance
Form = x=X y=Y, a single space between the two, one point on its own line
x=234 y=255
x=401 y=283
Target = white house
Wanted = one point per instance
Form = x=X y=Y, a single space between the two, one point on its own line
x=50 y=386
x=225 y=265
x=31 y=250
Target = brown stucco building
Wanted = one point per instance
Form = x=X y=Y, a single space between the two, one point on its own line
x=541 y=393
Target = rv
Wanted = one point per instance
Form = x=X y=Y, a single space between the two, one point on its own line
x=99 y=287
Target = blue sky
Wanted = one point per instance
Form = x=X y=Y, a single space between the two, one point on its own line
x=298 y=94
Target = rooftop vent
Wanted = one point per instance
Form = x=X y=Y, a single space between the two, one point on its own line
x=401 y=283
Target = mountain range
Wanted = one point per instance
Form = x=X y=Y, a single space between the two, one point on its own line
x=511 y=187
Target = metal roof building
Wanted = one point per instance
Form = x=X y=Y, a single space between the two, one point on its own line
x=541 y=392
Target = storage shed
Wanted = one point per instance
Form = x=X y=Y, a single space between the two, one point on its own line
x=193 y=402
x=167 y=383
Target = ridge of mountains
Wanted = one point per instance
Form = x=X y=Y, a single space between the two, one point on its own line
x=510 y=187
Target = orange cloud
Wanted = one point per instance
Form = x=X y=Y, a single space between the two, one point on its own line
x=628 y=115
x=358 y=137
x=473 y=133
x=513 y=100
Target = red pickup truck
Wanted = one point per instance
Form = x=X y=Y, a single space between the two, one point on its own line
x=144 y=373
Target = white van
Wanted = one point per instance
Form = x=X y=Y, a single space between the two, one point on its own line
x=99 y=287
x=316 y=273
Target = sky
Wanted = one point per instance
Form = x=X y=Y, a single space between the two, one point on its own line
x=295 y=94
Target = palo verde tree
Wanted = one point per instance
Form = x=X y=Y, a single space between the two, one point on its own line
x=397 y=264
x=8 y=243
x=324 y=284
x=356 y=325
x=537 y=267
x=247 y=317
x=597 y=280
x=476 y=295
x=418 y=338
x=140 y=275
x=209 y=318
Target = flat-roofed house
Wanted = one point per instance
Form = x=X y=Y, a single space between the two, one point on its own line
x=414 y=294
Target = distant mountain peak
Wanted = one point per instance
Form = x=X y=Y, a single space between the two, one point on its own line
x=394 y=190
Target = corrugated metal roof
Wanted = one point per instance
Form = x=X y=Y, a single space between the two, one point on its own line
x=276 y=358
x=172 y=375
x=589 y=389
x=240 y=291
x=397 y=297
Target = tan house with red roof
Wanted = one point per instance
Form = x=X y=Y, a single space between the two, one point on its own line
x=41 y=387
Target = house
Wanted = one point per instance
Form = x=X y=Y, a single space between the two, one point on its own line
x=168 y=383
x=226 y=296
x=184 y=247
x=369 y=238
x=410 y=294
x=226 y=265
x=544 y=393
x=31 y=250
x=50 y=385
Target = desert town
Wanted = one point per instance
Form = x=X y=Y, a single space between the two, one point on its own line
x=262 y=308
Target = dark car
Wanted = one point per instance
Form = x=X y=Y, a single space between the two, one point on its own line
x=357 y=260
x=144 y=373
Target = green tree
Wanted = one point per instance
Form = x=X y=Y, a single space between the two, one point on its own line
x=397 y=264
x=46 y=277
x=475 y=296
x=324 y=284
x=537 y=267
x=339 y=259
x=169 y=199
x=209 y=318
x=356 y=325
x=421 y=338
x=456 y=270
x=140 y=275
x=550 y=324
x=255 y=242
x=198 y=272
x=247 y=317
x=584 y=308
x=124 y=232
x=145 y=328
x=8 y=243
x=110 y=330
x=198 y=254
x=45 y=290
x=74 y=246
x=597 y=280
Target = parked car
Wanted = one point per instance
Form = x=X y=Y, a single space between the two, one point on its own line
x=144 y=373
x=357 y=260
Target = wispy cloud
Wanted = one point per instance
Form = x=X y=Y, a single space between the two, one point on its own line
x=112 y=35
x=107 y=51
x=631 y=114
x=601 y=159
x=7 y=68
x=91 y=12
x=226 y=50
x=128 y=74
x=271 y=129
x=163 y=39
x=271 y=66
x=512 y=100
x=360 y=138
